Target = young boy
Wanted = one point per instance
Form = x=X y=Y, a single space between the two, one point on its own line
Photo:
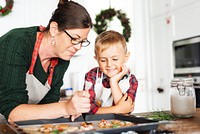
x=111 y=86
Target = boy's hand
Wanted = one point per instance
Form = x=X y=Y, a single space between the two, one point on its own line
x=118 y=76
x=125 y=105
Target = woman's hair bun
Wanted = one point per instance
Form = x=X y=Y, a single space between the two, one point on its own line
x=62 y=2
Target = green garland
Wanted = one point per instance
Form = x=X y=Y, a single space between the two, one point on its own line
x=7 y=9
x=107 y=15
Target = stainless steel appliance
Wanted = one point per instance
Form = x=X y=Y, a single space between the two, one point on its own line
x=187 y=61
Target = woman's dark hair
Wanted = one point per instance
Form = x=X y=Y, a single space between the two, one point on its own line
x=70 y=15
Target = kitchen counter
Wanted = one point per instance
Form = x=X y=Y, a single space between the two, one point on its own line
x=184 y=125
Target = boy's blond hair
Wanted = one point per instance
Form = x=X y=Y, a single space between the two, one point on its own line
x=109 y=38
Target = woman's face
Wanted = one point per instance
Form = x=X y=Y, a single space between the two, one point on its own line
x=64 y=48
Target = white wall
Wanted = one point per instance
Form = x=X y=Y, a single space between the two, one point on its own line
x=27 y=13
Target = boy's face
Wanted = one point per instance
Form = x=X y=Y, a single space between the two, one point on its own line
x=111 y=60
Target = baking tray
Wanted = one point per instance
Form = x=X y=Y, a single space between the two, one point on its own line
x=143 y=124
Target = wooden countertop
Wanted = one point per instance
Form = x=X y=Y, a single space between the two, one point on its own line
x=184 y=125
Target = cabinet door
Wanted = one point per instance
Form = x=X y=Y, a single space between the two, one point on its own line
x=162 y=68
x=159 y=7
x=187 y=21
x=183 y=3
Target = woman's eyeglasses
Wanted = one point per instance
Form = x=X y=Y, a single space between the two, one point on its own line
x=77 y=41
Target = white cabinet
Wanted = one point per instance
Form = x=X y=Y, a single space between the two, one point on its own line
x=161 y=62
x=161 y=7
x=169 y=20
x=186 y=21
x=179 y=4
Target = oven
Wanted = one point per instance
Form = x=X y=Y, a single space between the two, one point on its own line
x=187 y=61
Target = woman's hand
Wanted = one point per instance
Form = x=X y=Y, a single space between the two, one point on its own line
x=79 y=103
x=125 y=105
x=73 y=117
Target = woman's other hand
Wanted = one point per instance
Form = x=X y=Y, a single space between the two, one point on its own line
x=79 y=103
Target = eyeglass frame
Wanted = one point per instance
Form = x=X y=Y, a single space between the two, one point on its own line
x=81 y=42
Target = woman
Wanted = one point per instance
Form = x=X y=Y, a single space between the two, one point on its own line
x=33 y=63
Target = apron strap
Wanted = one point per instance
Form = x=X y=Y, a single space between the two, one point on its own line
x=36 y=52
x=53 y=63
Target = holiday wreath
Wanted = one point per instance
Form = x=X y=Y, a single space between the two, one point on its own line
x=107 y=15
x=7 y=9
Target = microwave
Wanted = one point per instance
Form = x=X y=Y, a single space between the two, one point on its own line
x=187 y=57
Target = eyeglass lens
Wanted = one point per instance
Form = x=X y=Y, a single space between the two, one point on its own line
x=76 y=41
